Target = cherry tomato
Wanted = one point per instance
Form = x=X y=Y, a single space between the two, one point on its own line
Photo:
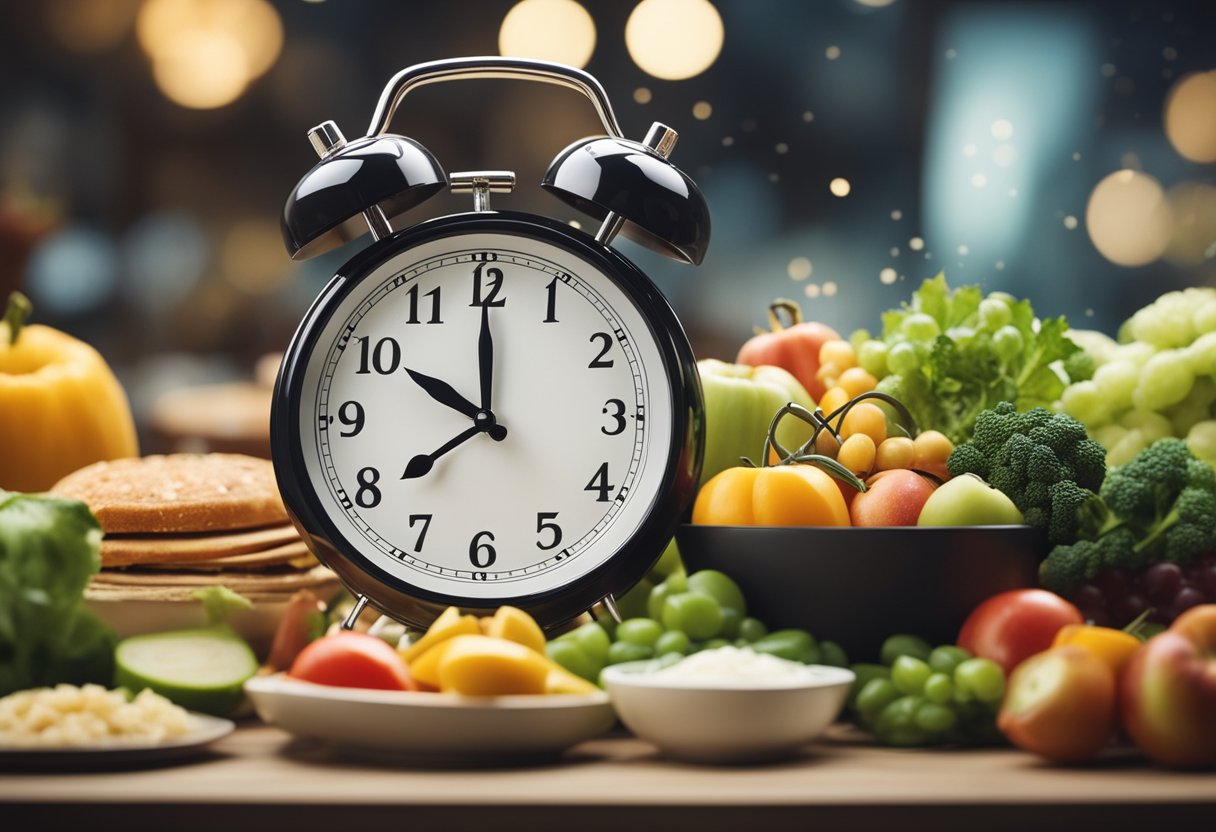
x=352 y=660
x=1014 y=625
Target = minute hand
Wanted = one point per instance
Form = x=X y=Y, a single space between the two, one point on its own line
x=444 y=393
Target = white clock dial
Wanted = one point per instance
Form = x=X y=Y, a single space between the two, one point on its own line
x=414 y=472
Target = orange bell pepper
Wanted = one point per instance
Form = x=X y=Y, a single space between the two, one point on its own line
x=780 y=495
x=1114 y=647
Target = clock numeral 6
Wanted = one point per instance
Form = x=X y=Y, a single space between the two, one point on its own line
x=481 y=554
x=599 y=360
x=544 y=522
x=599 y=484
x=368 y=495
x=618 y=416
x=494 y=277
x=354 y=422
x=385 y=356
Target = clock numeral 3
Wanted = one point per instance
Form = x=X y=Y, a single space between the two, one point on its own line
x=481 y=554
x=368 y=495
x=544 y=522
x=426 y=524
x=354 y=422
x=599 y=484
x=599 y=360
x=618 y=416
x=412 y=294
x=494 y=284
x=385 y=356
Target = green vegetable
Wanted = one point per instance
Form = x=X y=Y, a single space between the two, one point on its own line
x=201 y=670
x=903 y=644
x=953 y=353
x=1045 y=462
x=49 y=549
x=695 y=613
x=1159 y=506
x=220 y=602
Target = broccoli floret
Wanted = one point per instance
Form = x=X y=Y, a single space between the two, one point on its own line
x=1144 y=490
x=1067 y=565
x=1072 y=510
x=1118 y=550
x=1185 y=541
x=1025 y=454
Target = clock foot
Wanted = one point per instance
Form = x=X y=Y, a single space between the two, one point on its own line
x=356 y=611
x=606 y=608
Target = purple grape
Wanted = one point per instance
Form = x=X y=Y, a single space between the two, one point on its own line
x=1162 y=581
x=1124 y=610
x=1186 y=598
x=1114 y=584
x=1203 y=578
x=1088 y=595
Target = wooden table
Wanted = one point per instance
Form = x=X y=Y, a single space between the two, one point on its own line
x=259 y=778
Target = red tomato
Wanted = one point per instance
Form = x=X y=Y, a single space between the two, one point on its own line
x=1015 y=625
x=352 y=660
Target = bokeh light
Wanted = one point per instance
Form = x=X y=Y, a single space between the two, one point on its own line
x=1193 y=211
x=702 y=110
x=799 y=268
x=674 y=39
x=1128 y=218
x=840 y=186
x=551 y=30
x=164 y=256
x=90 y=26
x=1190 y=117
x=203 y=69
x=72 y=271
x=251 y=258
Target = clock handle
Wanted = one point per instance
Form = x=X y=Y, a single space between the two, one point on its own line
x=520 y=69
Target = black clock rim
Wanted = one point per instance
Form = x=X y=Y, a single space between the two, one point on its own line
x=620 y=571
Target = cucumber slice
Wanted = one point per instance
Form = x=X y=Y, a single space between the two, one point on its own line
x=201 y=670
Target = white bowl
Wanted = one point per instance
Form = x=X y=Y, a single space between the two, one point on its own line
x=730 y=722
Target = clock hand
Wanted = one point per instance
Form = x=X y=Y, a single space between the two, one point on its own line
x=444 y=393
x=422 y=463
x=485 y=357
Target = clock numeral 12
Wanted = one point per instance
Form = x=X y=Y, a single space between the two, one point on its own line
x=412 y=294
x=482 y=555
x=494 y=275
x=599 y=484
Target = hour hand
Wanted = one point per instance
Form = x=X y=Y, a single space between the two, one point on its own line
x=443 y=393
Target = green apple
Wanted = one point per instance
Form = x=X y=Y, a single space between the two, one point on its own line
x=740 y=403
x=968 y=501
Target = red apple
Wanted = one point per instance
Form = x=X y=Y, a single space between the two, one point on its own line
x=1168 y=692
x=892 y=498
x=1012 y=626
x=1061 y=704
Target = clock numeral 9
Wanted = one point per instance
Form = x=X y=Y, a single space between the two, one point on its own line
x=355 y=422
x=494 y=275
x=368 y=495
x=599 y=360
x=618 y=416
x=544 y=522
x=599 y=484
x=385 y=356
x=412 y=294
x=481 y=554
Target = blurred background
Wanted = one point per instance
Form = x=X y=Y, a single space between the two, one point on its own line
x=1063 y=151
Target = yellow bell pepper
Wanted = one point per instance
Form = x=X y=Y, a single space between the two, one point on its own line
x=61 y=407
x=779 y=495
x=1113 y=647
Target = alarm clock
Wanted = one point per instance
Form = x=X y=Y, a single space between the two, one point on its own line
x=491 y=407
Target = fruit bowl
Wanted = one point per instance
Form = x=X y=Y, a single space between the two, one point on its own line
x=856 y=586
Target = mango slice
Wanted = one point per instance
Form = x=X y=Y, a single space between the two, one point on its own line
x=449 y=623
x=476 y=665
x=515 y=625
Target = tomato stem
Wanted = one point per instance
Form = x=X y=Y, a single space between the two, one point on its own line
x=790 y=308
x=15 y=315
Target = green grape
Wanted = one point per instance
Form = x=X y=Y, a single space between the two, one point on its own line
x=1202 y=354
x=1166 y=322
x=669 y=562
x=903 y=644
x=983 y=678
x=994 y=313
x=643 y=631
x=831 y=653
x=874 y=696
x=1165 y=379
x=909 y=674
x=592 y=640
x=897 y=724
x=752 y=629
x=1204 y=318
x=720 y=587
x=1201 y=439
x=946 y=658
x=1108 y=436
x=623 y=651
x=658 y=598
x=920 y=327
x=568 y=654
x=786 y=644
x=862 y=674
x=1007 y=343
x=939 y=688
x=672 y=641
x=872 y=357
x=634 y=602
x=695 y=613
x=1084 y=403
x=1116 y=382
x=731 y=619
x=935 y=718
x=715 y=643
x=903 y=358
x=1134 y=352
x=1122 y=452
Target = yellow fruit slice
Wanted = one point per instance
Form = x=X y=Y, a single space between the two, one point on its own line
x=476 y=665
x=561 y=680
x=449 y=623
x=514 y=624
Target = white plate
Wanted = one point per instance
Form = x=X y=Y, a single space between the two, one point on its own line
x=203 y=730
x=431 y=727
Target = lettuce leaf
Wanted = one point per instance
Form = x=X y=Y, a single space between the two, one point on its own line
x=49 y=549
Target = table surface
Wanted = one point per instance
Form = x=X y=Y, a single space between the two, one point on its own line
x=260 y=776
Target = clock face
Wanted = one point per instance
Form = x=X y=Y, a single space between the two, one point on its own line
x=487 y=416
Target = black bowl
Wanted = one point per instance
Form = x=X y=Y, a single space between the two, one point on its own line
x=856 y=586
